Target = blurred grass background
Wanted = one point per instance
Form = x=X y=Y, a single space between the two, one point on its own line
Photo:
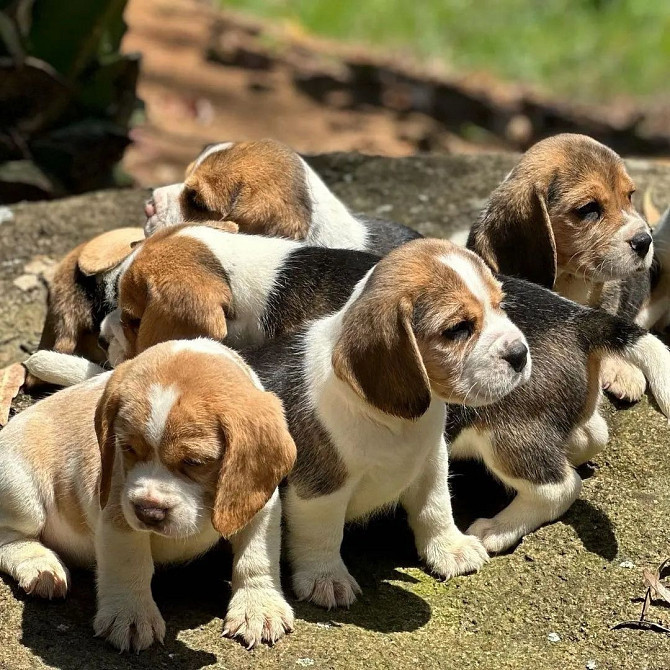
x=589 y=50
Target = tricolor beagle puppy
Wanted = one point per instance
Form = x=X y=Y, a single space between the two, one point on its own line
x=564 y=218
x=529 y=439
x=152 y=463
x=268 y=189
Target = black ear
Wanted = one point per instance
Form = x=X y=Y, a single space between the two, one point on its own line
x=514 y=234
x=377 y=355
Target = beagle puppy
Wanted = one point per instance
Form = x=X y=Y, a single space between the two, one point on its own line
x=564 y=218
x=81 y=293
x=268 y=189
x=167 y=454
x=530 y=439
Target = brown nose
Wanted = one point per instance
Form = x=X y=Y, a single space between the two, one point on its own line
x=149 y=208
x=640 y=244
x=151 y=516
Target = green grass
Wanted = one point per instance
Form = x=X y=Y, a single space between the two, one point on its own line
x=592 y=50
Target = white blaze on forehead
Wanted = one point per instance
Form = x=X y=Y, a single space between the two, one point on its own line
x=211 y=150
x=469 y=273
x=161 y=400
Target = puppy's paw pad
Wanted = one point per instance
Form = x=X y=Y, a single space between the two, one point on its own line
x=129 y=625
x=258 y=615
x=456 y=554
x=326 y=588
x=493 y=536
x=623 y=380
x=44 y=576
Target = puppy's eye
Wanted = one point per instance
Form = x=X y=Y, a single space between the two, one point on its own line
x=630 y=196
x=193 y=463
x=589 y=212
x=195 y=202
x=459 y=332
x=127 y=449
x=130 y=322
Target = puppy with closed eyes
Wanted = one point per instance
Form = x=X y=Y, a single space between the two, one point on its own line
x=564 y=218
x=150 y=464
x=250 y=289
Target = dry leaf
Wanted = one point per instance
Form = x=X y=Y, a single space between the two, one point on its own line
x=649 y=210
x=658 y=588
x=11 y=380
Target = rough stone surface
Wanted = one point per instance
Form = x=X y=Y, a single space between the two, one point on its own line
x=566 y=580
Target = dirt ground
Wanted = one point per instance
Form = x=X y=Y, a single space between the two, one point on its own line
x=550 y=603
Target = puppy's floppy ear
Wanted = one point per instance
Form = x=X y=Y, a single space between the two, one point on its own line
x=377 y=355
x=105 y=415
x=106 y=251
x=514 y=234
x=258 y=454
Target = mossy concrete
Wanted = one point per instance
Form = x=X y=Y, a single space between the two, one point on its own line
x=570 y=581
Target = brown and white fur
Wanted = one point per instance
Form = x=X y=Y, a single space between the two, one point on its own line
x=564 y=218
x=185 y=448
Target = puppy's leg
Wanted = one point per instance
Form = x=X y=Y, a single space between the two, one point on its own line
x=315 y=530
x=36 y=568
x=127 y=615
x=622 y=379
x=257 y=610
x=446 y=550
x=535 y=504
x=587 y=440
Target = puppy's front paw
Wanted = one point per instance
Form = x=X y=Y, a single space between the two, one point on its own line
x=623 y=380
x=455 y=554
x=43 y=575
x=129 y=623
x=495 y=536
x=326 y=586
x=258 y=615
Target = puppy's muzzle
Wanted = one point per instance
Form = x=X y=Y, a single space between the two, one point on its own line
x=150 y=208
x=640 y=244
x=150 y=515
x=516 y=354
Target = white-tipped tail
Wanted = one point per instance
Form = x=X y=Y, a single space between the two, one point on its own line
x=61 y=369
x=653 y=358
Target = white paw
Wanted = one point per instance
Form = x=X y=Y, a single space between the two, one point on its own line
x=44 y=576
x=325 y=586
x=455 y=554
x=258 y=615
x=129 y=623
x=495 y=537
x=622 y=380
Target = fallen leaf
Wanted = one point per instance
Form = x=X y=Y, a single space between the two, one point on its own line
x=11 y=380
x=658 y=588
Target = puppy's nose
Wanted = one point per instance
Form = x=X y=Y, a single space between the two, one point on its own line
x=149 y=208
x=102 y=342
x=151 y=516
x=640 y=244
x=516 y=355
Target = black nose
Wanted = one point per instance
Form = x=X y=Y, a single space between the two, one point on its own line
x=517 y=356
x=151 y=516
x=102 y=343
x=640 y=244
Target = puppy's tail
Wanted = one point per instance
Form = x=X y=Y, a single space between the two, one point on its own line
x=61 y=369
x=636 y=346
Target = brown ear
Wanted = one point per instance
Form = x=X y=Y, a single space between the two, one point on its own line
x=105 y=416
x=514 y=234
x=259 y=453
x=106 y=251
x=377 y=355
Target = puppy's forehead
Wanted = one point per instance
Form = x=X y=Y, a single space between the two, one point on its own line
x=208 y=151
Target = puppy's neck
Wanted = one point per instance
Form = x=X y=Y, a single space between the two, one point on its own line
x=578 y=288
x=332 y=223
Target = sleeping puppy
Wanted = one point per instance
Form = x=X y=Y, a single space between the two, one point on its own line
x=81 y=293
x=185 y=448
x=564 y=218
x=535 y=433
x=268 y=189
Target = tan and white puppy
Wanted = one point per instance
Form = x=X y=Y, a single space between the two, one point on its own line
x=268 y=189
x=185 y=448
x=365 y=391
x=564 y=218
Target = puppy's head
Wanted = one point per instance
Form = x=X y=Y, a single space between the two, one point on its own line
x=430 y=319
x=187 y=438
x=173 y=289
x=567 y=206
x=262 y=186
